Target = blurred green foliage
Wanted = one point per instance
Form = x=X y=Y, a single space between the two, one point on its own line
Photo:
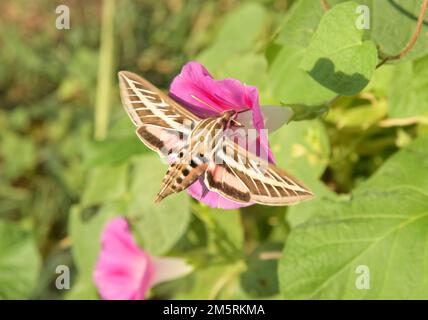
x=364 y=156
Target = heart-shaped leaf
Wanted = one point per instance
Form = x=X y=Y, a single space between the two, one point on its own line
x=337 y=42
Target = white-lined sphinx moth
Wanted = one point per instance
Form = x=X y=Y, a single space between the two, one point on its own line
x=202 y=149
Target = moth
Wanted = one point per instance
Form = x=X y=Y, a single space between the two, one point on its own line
x=202 y=149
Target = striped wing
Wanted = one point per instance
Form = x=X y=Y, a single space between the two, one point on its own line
x=163 y=124
x=243 y=177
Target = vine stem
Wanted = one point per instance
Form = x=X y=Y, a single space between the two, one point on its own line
x=325 y=5
x=225 y=280
x=105 y=70
x=409 y=46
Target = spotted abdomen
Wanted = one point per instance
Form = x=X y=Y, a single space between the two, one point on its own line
x=181 y=175
x=193 y=161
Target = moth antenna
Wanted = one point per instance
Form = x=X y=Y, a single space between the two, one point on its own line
x=244 y=110
x=205 y=103
x=237 y=123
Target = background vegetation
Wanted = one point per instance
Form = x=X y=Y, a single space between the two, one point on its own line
x=69 y=158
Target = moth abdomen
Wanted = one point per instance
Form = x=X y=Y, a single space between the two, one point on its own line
x=180 y=175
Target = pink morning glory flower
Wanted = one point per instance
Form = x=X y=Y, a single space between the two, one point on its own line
x=126 y=272
x=196 y=89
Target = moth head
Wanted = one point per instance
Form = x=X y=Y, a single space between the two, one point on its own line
x=229 y=117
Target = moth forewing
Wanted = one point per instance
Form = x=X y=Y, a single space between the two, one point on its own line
x=146 y=104
x=265 y=183
x=163 y=125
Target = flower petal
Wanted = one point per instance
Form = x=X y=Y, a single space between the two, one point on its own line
x=204 y=96
x=196 y=89
x=274 y=117
x=169 y=269
x=123 y=271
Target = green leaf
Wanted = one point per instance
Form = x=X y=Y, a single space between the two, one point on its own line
x=408 y=167
x=409 y=89
x=291 y=85
x=82 y=289
x=19 y=262
x=382 y=226
x=382 y=230
x=113 y=151
x=224 y=230
x=381 y=81
x=261 y=279
x=105 y=183
x=300 y=23
x=301 y=148
x=248 y=68
x=214 y=282
x=229 y=227
x=405 y=168
x=237 y=35
x=80 y=75
x=338 y=57
x=394 y=23
x=358 y=116
x=157 y=225
x=301 y=212
x=85 y=228
x=18 y=155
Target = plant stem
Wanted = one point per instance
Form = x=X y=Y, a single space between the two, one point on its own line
x=412 y=40
x=105 y=70
x=226 y=279
x=325 y=5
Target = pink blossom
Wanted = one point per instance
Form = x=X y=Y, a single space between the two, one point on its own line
x=196 y=89
x=124 y=271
